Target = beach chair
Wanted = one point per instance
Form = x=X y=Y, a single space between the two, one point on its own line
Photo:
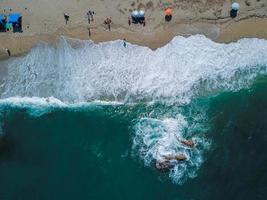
x=9 y=26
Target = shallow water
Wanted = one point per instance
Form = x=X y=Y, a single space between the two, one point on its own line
x=75 y=145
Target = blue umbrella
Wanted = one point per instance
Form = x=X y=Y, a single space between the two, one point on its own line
x=14 y=17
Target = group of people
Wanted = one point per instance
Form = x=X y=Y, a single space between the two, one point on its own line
x=168 y=161
x=90 y=16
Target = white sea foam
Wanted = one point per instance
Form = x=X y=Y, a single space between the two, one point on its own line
x=107 y=72
x=37 y=106
x=156 y=138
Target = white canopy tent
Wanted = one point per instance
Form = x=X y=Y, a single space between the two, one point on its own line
x=135 y=13
x=141 y=13
x=235 y=6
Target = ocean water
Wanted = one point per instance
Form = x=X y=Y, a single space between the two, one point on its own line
x=88 y=121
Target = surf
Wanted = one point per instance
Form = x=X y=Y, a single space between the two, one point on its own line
x=157 y=88
x=86 y=71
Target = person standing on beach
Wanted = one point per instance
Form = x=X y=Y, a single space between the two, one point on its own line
x=88 y=17
x=8 y=51
x=66 y=17
x=89 y=31
x=92 y=15
x=109 y=23
x=124 y=43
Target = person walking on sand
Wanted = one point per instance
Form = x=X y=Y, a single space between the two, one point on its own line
x=129 y=21
x=89 y=31
x=88 y=17
x=66 y=17
x=124 y=43
x=7 y=51
x=109 y=23
x=92 y=14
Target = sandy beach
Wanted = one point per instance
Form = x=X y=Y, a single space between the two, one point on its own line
x=44 y=21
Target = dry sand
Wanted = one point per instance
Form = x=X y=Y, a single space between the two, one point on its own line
x=43 y=21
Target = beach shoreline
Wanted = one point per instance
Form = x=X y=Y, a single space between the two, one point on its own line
x=212 y=20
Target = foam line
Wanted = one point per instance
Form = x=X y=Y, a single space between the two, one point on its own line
x=108 y=71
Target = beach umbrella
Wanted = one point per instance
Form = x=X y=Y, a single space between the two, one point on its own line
x=141 y=13
x=135 y=13
x=235 y=6
x=168 y=12
x=14 y=17
x=2 y=17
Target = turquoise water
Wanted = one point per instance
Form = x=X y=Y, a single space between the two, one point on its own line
x=89 y=121
x=87 y=153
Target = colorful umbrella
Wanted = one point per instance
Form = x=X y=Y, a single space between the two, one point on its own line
x=168 y=12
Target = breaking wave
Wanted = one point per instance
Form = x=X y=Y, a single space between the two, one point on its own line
x=75 y=72
x=108 y=71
